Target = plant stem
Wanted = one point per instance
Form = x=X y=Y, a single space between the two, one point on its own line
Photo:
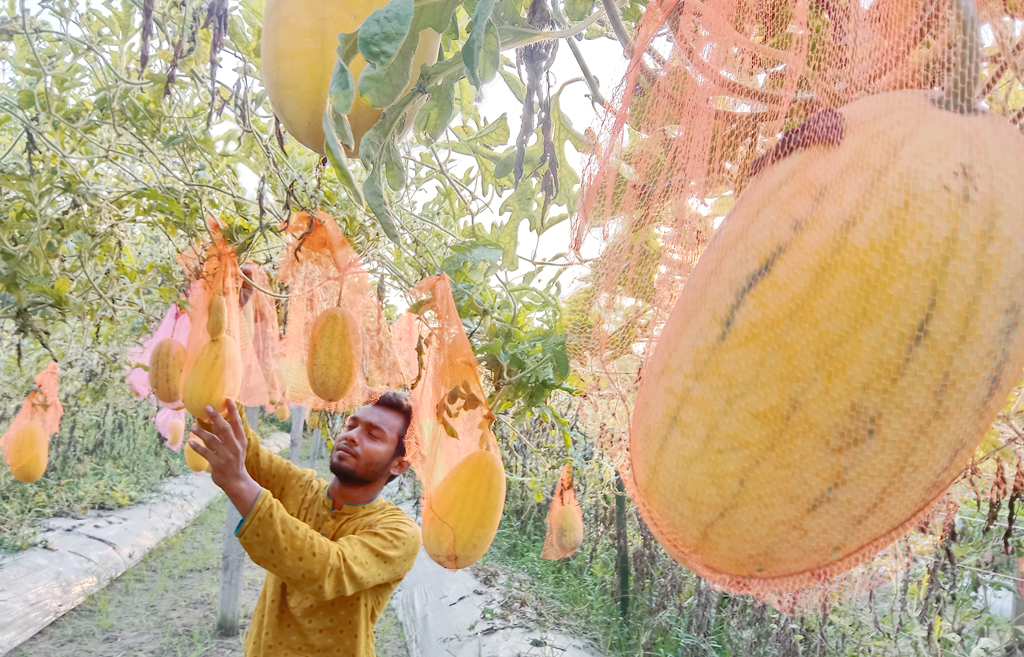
x=965 y=71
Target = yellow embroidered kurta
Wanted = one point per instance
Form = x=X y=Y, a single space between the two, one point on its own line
x=329 y=573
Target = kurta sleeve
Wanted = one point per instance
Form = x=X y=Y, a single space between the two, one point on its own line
x=320 y=567
x=283 y=479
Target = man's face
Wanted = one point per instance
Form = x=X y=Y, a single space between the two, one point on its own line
x=364 y=452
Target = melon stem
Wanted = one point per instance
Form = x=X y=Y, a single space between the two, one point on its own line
x=966 y=65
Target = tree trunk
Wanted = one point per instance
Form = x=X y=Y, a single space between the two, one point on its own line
x=298 y=420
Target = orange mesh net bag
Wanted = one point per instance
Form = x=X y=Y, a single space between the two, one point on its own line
x=565 y=520
x=221 y=361
x=259 y=315
x=453 y=450
x=26 y=443
x=324 y=272
x=848 y=175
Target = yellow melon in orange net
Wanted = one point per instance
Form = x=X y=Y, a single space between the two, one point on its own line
x=565 y=520
x=841 y=348
x=26 y=443
x=230 y=367
x=28 y=451
x=461 y=515
x=322 y=271
x=789 y=363
x=453 y=449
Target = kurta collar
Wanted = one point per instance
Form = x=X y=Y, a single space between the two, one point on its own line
x=351 y=509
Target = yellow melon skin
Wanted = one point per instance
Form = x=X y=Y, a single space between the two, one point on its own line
x=461 y=516
x=283 y=413
x=298 y=51
x=842 y=345
x=193 y=460
x=568 y=528
x=214 y=377
x=334 y=351
x=166 y=368
x=217 y=317
x=28 y=452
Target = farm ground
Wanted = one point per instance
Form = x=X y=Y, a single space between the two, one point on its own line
x=166 y=606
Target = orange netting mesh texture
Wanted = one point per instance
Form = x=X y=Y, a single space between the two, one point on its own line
x=323 y=271
x=449 y=405
x=259 y=315
x=42 y=406
x=565 y=520
x=213 y=268
x=849 y=175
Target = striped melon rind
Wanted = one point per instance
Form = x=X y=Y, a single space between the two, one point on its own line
x=841 y=347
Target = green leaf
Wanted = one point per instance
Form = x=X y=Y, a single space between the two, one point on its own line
x=348 y=46
x=373 y=189
x=490 y=54
x=495 y=133
x=344 y=130
x=342 y=90
x=509 y=241
x=472 y=252
x=472 y=52
x=61 y=286
x=503 y=167
x=336 y=156
x=381 y=86
x=26 y=100
x=437 y=112
x=577 y=10
x=437 y=15
x=394 y=170
x=515 y=85
x=384 y=31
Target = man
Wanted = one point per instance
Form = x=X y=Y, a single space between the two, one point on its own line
x=334 y=553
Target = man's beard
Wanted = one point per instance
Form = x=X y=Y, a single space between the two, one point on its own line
x=348 y=476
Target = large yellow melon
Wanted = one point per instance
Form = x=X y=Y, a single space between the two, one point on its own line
x=28 y=452
x=298 y=52
x=461 y=515
x=843 y=344
x=166 y=368
x=334 y=353
x=214 y=377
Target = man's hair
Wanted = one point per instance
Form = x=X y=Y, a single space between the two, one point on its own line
x=398 y=401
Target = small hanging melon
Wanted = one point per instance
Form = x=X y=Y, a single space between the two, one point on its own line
x=334 y=353
x=193 y=460
x=216 y=374
x=166 y=368
x=28 y=452
x=461 y=515
x=298 y=52
x=175 y=433
x=568 y=529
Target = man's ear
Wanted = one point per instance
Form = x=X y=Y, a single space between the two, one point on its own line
x=400 y=466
